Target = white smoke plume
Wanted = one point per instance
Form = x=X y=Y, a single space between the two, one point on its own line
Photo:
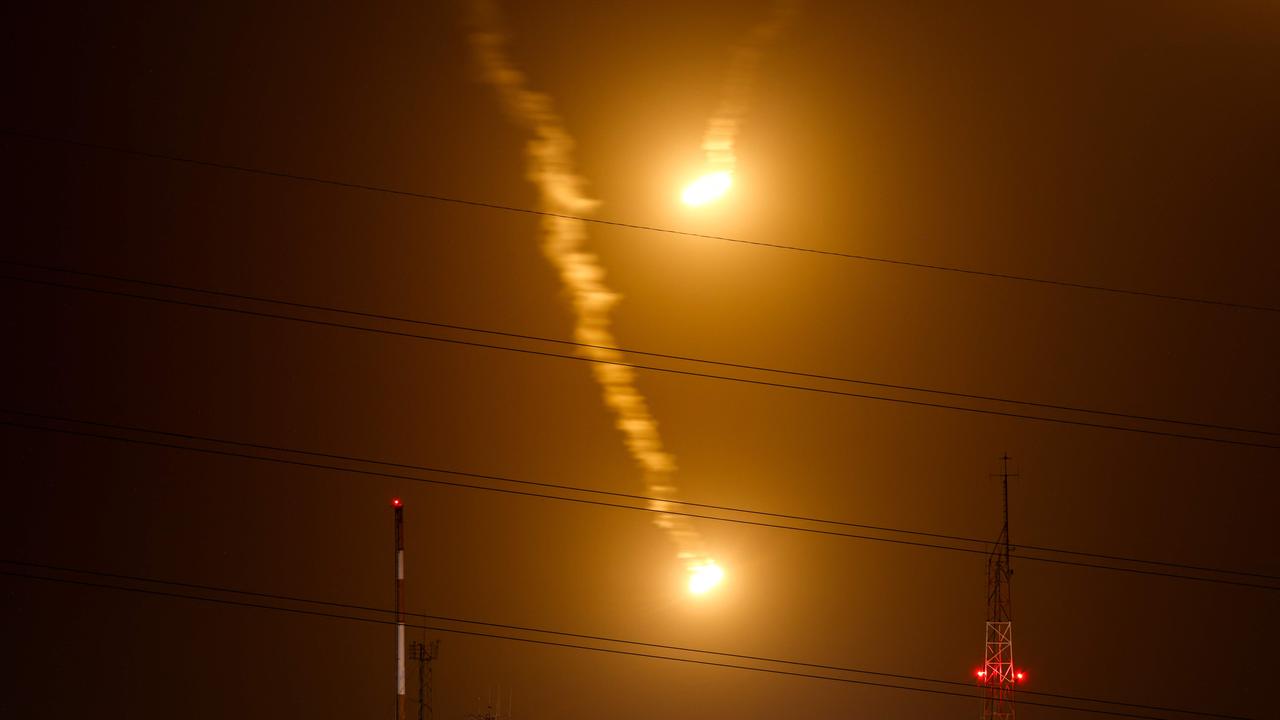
x=739 y=86
x=549 y=153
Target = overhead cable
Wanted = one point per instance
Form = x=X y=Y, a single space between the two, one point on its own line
x=658 y=505
x=633 y=351
x=654 y=368
x=639 y=226
x=620 y=650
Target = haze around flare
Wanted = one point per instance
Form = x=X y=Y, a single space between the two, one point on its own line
x=549 y=153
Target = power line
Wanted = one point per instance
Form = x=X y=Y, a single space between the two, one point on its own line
x=583 y=501
x=615 y=651
x=654 y=368
x=628 y=496
x=580 y=636
x=635 y=496
x=635 y=226
x=632 y=351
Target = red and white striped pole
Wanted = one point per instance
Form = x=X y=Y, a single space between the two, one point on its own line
x=399 y=508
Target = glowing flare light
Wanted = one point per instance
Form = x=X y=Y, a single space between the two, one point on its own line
x=704 y=577
x=711 y=186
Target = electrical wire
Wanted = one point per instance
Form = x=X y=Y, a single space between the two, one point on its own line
x=633 y=226
x=615 y=651
x=633 y=351
x=646 y=498
x=654 y=368
x=634 y=496
x=661 y=509
x=579 y=636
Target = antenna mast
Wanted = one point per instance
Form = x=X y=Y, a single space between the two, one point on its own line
x=399 y=511
x=997 y=674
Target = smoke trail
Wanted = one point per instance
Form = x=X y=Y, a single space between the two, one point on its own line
x=550 y=168
x=722 y=129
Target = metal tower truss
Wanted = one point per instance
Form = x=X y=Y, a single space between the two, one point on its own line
x=424 y=653
x=997 y=672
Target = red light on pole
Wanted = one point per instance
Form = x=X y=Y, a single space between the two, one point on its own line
x=1019 y=676
x=395 y=502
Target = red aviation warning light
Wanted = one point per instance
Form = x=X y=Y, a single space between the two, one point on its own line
x=395 y=502
x=1018 y=675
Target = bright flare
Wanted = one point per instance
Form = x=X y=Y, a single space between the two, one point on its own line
x=707 y=188
x=704 y=577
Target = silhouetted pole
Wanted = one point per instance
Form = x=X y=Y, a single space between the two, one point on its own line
x=399 y=510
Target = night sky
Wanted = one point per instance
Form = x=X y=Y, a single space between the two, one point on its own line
x=1127 y=145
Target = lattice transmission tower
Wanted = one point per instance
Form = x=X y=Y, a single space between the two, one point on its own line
x=424 y=653
x=997 y=674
